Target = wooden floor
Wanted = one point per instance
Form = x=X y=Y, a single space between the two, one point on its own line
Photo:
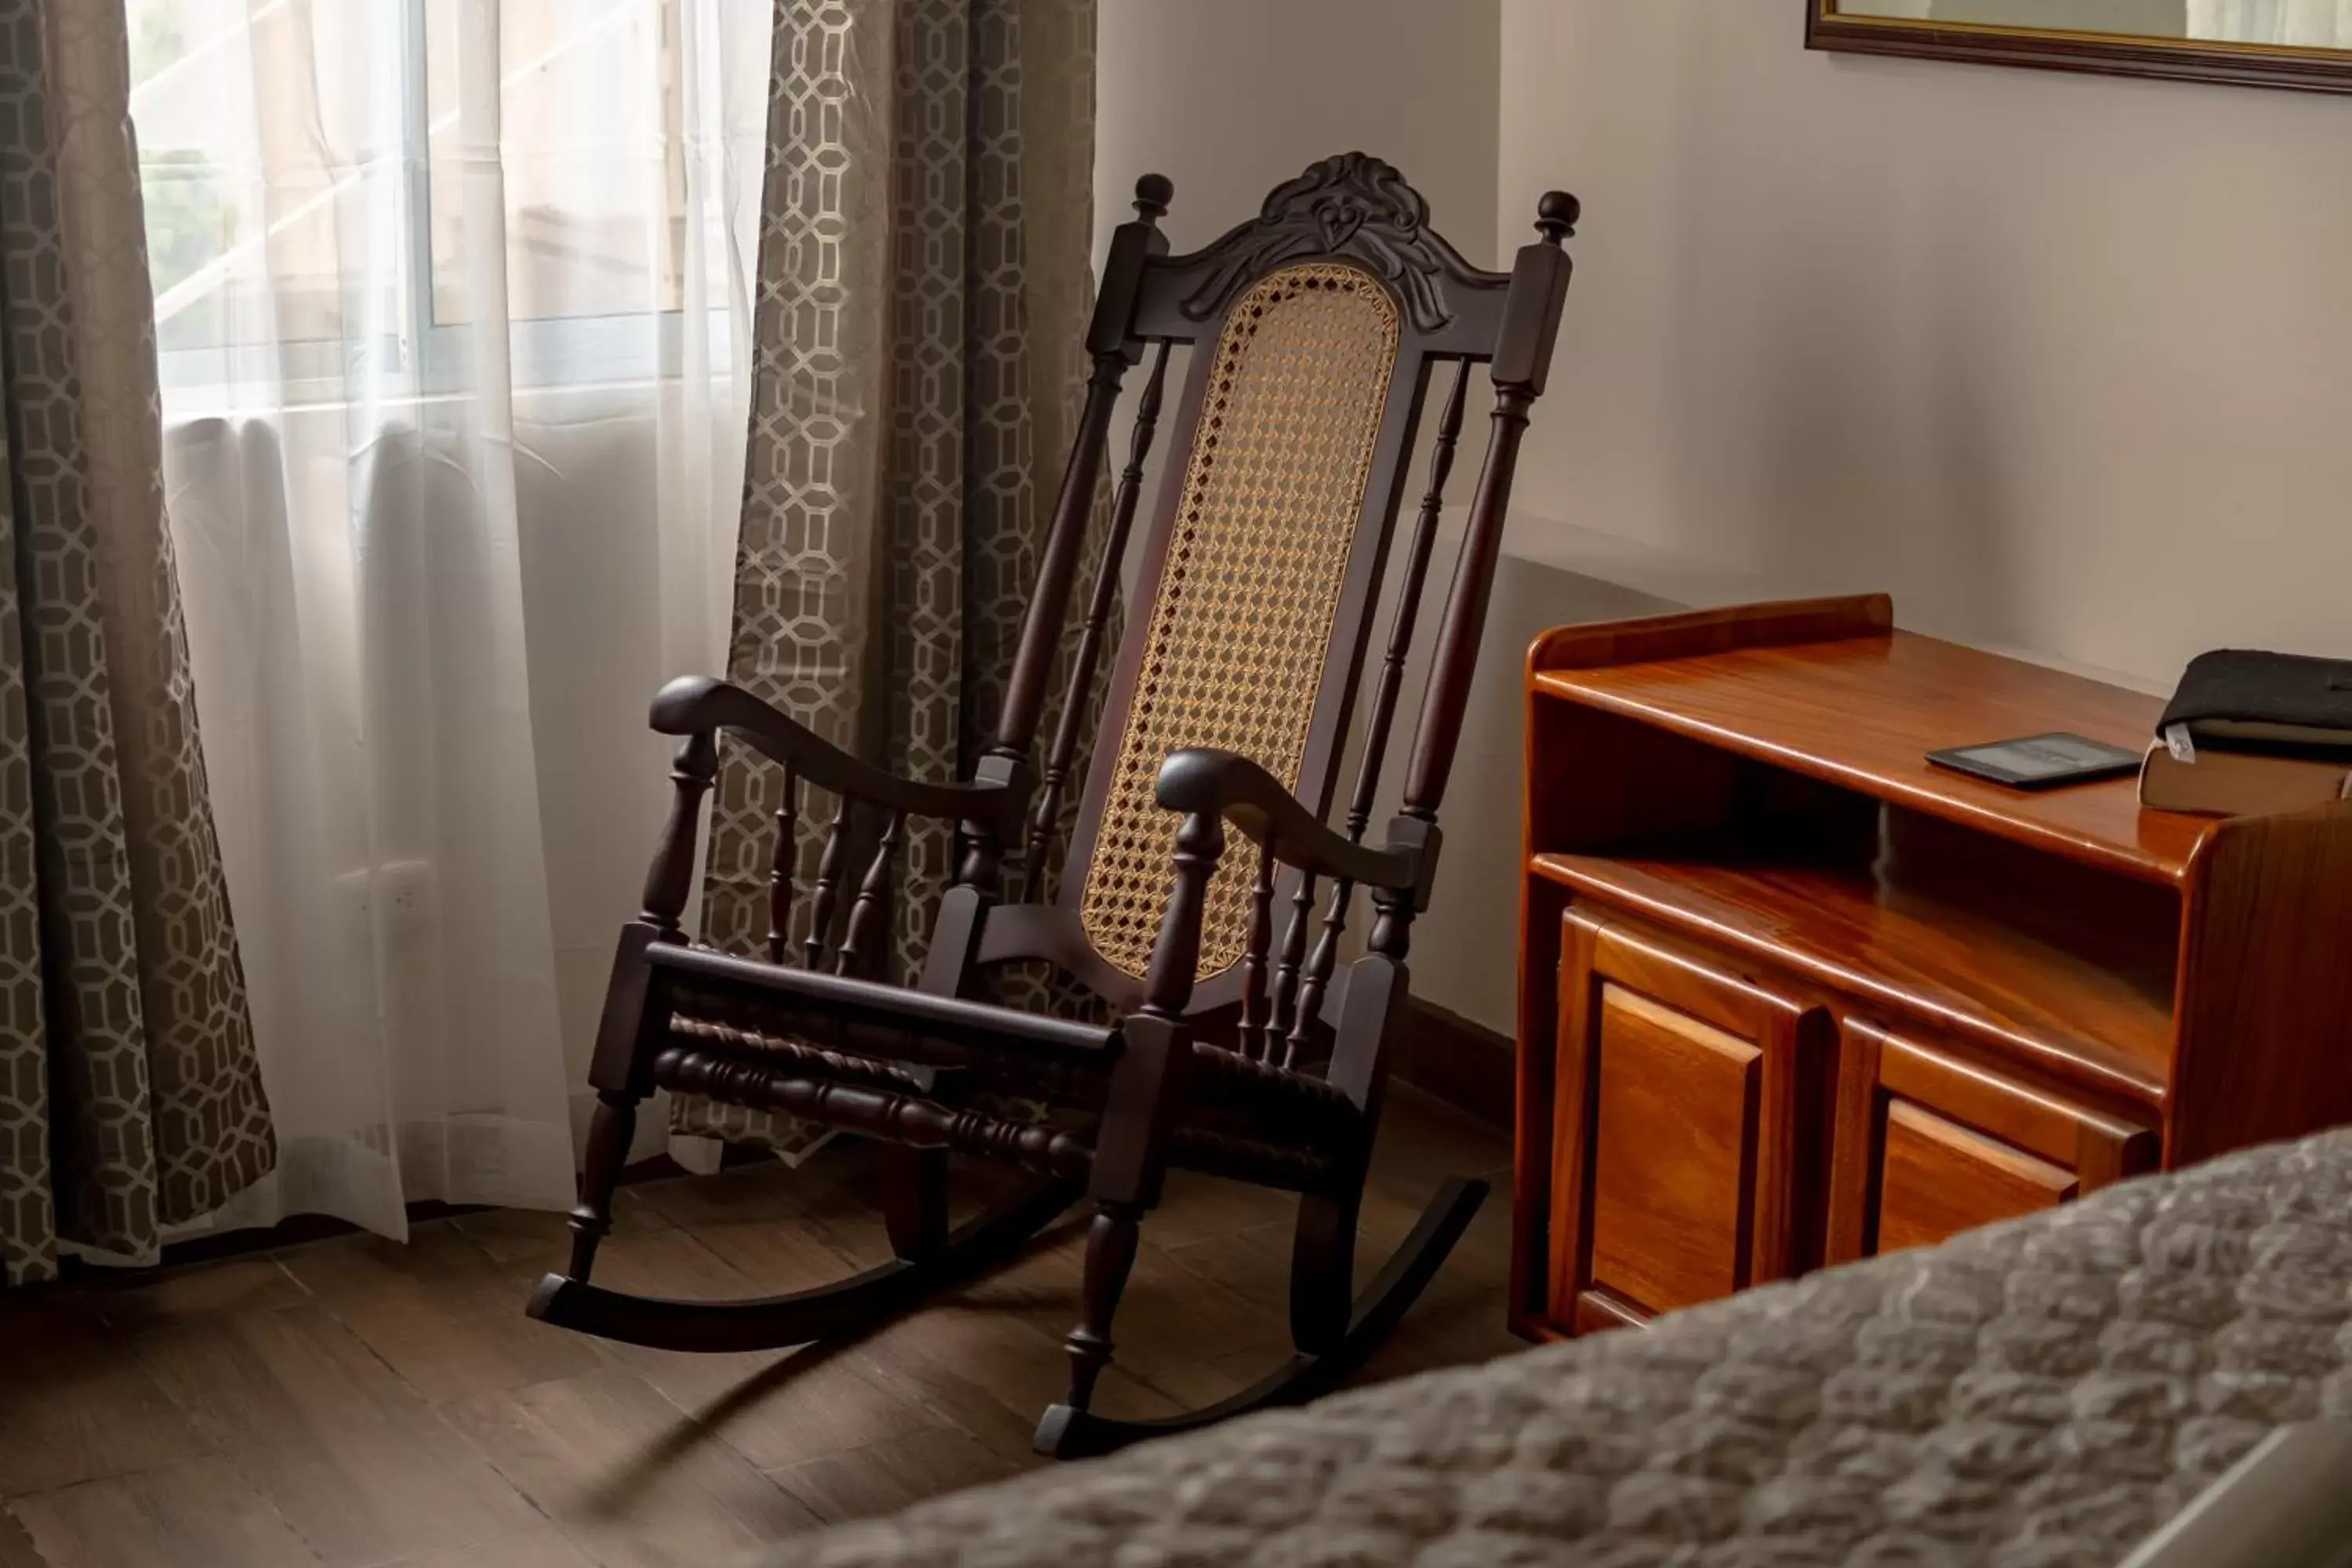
x=356 y=1402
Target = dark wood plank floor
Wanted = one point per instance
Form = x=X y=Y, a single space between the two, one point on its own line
x=364 y=1405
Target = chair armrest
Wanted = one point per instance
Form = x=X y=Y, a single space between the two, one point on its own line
x=696 y=704
x=1220 y=783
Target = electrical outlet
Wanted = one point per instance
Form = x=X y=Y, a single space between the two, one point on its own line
x=397 y=895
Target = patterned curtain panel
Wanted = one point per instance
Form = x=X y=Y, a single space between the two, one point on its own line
x=917 y=361
x=129 y=1096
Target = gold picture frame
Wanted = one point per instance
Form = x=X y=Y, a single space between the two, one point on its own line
x=2298 y=67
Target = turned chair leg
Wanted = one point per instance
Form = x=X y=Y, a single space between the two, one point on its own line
x=914 y=1201
x=1111 y=1255
x=1322 y=1270
x=1130 y=1157
x=634 y=1013
x=610 y=1132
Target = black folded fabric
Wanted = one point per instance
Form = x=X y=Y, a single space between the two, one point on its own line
x=2244 y=700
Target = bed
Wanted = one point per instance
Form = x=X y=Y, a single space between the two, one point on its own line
x=2044 y=1392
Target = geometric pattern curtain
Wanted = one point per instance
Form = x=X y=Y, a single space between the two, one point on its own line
x=130 y=1098
x=917 y=357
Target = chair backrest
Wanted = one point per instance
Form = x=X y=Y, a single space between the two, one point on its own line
x=1317 y=333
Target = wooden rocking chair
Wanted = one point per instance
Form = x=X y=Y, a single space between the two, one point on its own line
x=1319 y=329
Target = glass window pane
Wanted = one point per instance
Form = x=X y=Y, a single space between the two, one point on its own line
x=269 y=164
x=574 y=150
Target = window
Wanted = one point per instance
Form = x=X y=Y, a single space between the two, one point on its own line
x=326 y=179
x=591 y=161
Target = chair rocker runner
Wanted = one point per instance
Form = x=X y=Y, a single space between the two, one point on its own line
x=1315 y=334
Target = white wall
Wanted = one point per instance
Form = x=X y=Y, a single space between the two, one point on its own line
x=2065 y=362
x=1228 y=97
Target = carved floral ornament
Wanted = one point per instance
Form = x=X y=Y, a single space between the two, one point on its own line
x=1352 y=205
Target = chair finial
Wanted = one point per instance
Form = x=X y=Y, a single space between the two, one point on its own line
x=1556 y=216
x=1152 y=194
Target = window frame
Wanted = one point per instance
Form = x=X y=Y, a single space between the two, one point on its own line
x=551 y=353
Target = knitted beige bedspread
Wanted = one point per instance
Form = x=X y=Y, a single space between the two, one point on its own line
x=2043 y=1392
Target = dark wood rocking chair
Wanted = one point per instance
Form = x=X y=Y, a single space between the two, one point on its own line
x=1319 y=328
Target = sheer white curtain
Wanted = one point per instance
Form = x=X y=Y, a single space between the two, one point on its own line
x=453 y=311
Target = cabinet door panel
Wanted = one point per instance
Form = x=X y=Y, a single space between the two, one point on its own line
x=1930 y=1144
x=1685 y=1120
x=1674 y=1153
x=1937 y=1178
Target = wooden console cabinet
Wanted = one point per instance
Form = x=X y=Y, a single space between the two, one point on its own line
x=1790 y=995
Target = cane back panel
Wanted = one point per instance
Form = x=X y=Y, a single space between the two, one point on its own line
x=1256 y=557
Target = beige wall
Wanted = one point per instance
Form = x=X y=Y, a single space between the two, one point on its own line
x=1228 y=97
x=2063 y=361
